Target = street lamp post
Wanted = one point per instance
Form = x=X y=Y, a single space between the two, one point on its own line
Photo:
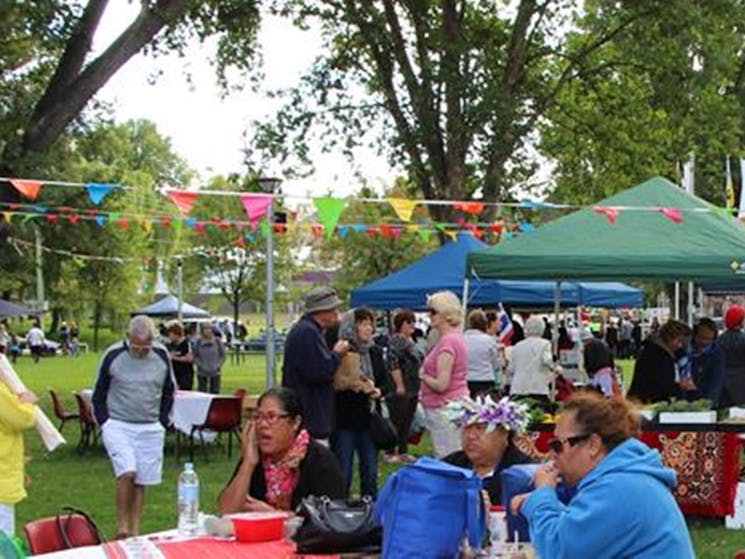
x=270 y=185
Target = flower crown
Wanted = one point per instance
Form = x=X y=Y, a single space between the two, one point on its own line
x=507 y=414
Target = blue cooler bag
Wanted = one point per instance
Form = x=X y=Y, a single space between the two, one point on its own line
x=427 y=508
x=519 y=479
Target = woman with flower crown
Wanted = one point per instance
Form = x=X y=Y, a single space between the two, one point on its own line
x=489 y=429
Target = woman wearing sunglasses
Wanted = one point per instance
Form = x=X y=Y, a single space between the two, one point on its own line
x=280 y=464
x=624 y=506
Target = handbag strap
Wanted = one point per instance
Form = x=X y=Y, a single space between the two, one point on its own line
x=329 y=518
x=63 y=526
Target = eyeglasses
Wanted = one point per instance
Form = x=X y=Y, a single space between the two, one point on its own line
x=270 y=417
x=557 y=444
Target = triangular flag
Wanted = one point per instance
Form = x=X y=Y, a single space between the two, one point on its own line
x=123 y=223
x=452 y=234
x=199 y=227
x=497 y=227
x=256 y=206
x=329 y=212
x=73 y=218
x=52 y=218
x=191 y=223
x=177 y=224
x=611 y=213
x=30 y=189
x=470 y=207
x=317 y=230
x=425 y=234
x=7 y=216
x=240 y=225
x=372 y=232
x=98 y=191
x=396 y=233
x=183 y=199
x=28 y=218
x=344 y=231
x=403 y=207
x=674 y=215
x=148 y=225
x=264 y=228
x=165 y=221
x=100 y=220
x=386 y=231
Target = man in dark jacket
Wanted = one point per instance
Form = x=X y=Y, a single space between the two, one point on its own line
x=703 y=364
x=309 y=366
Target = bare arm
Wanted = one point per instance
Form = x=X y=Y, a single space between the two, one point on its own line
x=440 y=382
x=233 y=497
x=398 y=380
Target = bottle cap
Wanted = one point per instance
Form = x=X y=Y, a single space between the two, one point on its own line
x=496 y=508
x=188 y=466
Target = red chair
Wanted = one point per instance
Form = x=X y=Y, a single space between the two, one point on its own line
x=44 y=535
x=88 y=426
x=223 y=416
x=240 y=393
x=59 y=410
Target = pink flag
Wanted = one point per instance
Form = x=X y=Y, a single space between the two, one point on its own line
x=611 y=213
x=674 y=215
x=183 y=199
x=30 y=189
x=256 y=206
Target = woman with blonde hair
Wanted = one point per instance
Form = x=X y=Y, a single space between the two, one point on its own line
x=444 y=371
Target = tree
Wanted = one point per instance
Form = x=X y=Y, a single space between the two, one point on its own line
x=231 y=259
x=453 y=89
x=663 y=88
x=359 y=257
x=53 y=79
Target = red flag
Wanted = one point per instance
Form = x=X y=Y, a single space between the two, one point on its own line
x=469 y=207
x=611 y=213
x=183 y=199
x=674 y=215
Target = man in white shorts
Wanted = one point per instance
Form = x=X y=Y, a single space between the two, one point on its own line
x=132 y=402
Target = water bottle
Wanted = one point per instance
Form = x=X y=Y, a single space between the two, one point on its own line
x=188 y=501
x=497 y=531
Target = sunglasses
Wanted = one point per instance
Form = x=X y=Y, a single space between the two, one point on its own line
x=557 y=444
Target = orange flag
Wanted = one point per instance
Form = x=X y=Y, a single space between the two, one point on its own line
x=183 y=199
x=30 y=189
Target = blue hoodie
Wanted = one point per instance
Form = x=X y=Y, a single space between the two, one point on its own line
x=623 y=508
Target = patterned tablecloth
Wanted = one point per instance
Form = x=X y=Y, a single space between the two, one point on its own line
x=707 y=464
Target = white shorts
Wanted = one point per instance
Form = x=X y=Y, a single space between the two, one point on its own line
x=135 y=448
x=8 y=519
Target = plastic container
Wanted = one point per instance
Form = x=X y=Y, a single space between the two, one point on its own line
x=259 y=526
x=188 y=501
x=497 y=530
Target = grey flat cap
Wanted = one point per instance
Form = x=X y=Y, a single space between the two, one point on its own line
x=321 y=299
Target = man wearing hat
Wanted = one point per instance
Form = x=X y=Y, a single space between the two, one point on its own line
x=309 y=366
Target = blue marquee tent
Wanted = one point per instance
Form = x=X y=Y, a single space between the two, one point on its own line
x=445 y=269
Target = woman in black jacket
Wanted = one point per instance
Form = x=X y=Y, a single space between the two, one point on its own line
x=280 y=464
x=655 y=376
x=361 y=380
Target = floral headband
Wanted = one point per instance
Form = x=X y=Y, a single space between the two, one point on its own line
x=507 y=414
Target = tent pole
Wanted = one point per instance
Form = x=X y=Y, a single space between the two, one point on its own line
x=466 y=286
x=180 y=284
x=676 y=303
x=691 y=308
x=555 y=333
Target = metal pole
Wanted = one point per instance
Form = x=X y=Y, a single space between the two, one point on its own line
x=555 y=334
x=466 y=287
x=180 y=284
x=676 y=303
x=39 y=273
x=270 y=297
x=690 y=304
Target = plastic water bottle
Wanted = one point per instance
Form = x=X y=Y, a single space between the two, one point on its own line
x=188 y=501
x=497 y=531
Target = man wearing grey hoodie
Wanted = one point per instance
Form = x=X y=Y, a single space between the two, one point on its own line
x=209 y=356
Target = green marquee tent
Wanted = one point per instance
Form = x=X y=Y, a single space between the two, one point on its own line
x=671 y=235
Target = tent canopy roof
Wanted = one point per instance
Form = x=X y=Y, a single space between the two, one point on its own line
x=11 y=310
x=445 y=269
x=168 y=306
x=643 y=243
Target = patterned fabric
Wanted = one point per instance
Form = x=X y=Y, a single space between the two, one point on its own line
x=282 y=476
x=707 y=465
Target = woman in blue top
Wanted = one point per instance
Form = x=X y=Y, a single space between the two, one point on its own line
x=624 y=506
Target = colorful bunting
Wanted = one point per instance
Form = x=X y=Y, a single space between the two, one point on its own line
x=474 y=208
x=329 y=212
x=183 y=199
x=30 y=189
x=98 y=191
x=256 y=206
x=403 y=207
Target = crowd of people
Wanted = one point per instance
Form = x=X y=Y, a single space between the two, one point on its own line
x=303 y=437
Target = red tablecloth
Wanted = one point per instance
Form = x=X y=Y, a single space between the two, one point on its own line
x=210 y=548
x=707 y=464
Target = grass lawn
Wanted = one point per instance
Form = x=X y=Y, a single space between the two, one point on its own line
x=66 y=478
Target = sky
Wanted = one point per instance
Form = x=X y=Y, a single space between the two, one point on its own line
x=207 y=131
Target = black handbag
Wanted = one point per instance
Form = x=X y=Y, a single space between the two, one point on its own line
x=76 y=528
x=337 y=526
x=382 y=430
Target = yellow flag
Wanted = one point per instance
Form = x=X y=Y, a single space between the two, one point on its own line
x=412 y=228
x=452 y=234
x=8 y=215
x=403 y=207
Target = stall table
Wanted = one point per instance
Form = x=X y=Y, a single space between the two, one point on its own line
x=706 y=458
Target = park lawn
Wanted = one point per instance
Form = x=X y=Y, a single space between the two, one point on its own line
x=65 y=477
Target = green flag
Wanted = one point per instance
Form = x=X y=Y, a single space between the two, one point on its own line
x=329 y=212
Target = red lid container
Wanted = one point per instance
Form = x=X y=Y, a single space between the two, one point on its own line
x=259 y=526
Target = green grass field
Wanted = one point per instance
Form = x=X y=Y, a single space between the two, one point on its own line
x=65 y=477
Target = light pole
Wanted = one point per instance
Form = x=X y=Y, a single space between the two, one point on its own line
x=180 y=287
x=269 y=185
